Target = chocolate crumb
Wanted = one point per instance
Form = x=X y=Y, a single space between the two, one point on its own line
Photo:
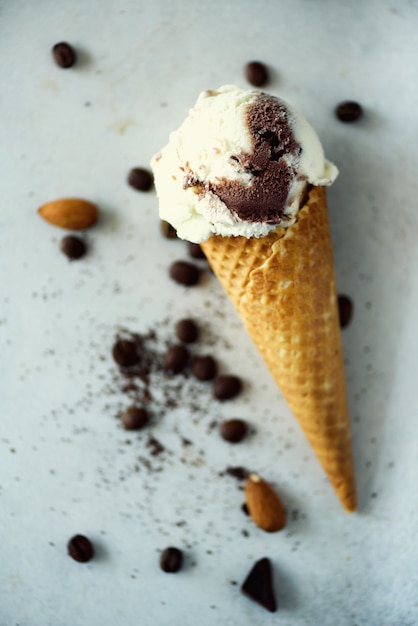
x=171 y=560
x=64 y=55
x=80 y=549
x=257 y=73
x=187 y=331
x=156 y=447
x=345 y=310
x=349 y=111
x=135 y=418
x=125 y=353
x=258 y=586
x=140 y=179
x=73 y=247
x=237 y=472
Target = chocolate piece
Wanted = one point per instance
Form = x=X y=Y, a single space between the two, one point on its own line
x=204 y=367
x=258 y=586
x=171 y=560
x=135 y=418
x=257 y=73
x=168 y=231
x=345 y=310
x=226 y=387
x=176 y=359
x=73 y=247
x=64 y=55
x=195 y=250
x=233 y=430
x=156 y=447
x=349 y=111
x=238 y=472
x=80 y=549
x=184 y=273
x=187 y=331
x=125 y=353
x=140 y=179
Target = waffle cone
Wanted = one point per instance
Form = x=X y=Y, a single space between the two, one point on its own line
x=283 y=287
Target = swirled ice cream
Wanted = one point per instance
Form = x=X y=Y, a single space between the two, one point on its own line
x=239 y=164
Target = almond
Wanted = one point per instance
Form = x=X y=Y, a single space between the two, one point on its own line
x=70 y=213
x=264 y=505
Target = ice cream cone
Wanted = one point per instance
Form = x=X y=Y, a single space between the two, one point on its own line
x=283 y=287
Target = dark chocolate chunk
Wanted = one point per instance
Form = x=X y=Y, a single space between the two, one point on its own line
x=345 y=309
x=80 y=549
x=184 y=273
x=238 y=472
x=171 y=560
x=125 y=353
x=187 y=331
x=64 y=55
x=168 y=231
x=258 y=586
x=349 y=111
x=73 y=247
x=135 y=418
x=176 y=359
x=226 y=387
x=195 y=250
x=257 y=73
x=204 y=367
x=233 y=430
x=140 y=179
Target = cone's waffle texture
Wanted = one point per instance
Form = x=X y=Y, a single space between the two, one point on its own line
x=283 y=287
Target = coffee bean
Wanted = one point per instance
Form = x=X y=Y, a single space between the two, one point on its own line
x=176 y=359
x=226 y=387
x=168 y=231
x=204 y=367
x=187 y=331
x=80 y=549
x=73 y=247
x=64 y=55
x=233 y=430
x=345 y=310
x=257 y=73
x=349 y=111
x=125 y=353
x=195 y=250
x=140 y=179
x=171 y=560
x=184 y=273
x=135 y=418
x=258 y=586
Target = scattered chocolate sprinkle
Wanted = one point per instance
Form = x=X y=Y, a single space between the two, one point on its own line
x=195 y=250
x=244 y=508
x=258 y=586
x=184 y=273
x=204 y=367
x=176 y=359
x=257 y=73
x=345 y=309
x=233 y=430
x=64 y=55
x=171 y=560
x=73 y=247
x=156 y=447
x=240 y=473
x=140 y=179
x=135 y=418
x=226 y=387
x=349 y=111
x=80 y=549
x=168 y=231
x=125 y=353
x=187 y=331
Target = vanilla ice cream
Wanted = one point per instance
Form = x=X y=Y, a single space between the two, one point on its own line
x=239 y=164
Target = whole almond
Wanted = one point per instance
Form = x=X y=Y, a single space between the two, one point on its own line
x=264 y=505
x=70 y=213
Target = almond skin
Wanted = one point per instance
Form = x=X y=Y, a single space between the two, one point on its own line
x=264 y=505
x=70 y=213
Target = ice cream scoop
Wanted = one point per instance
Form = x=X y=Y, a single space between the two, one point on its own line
x=240 y=164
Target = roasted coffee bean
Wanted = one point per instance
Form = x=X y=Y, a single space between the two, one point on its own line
x=125 y=353
x=195 y=250
x=226 y=387
x=140 y=179
x=135 y=418
x=257 y=73
x=73 y=247
x=168 y=231
x=80 y=549
x=349 y=111
x=64 y=55
x=204 y=367
x=176 y=359
x=171 y=560
x=345 y=310
x=187 y=331
x=233 y=430
x=184 y=273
